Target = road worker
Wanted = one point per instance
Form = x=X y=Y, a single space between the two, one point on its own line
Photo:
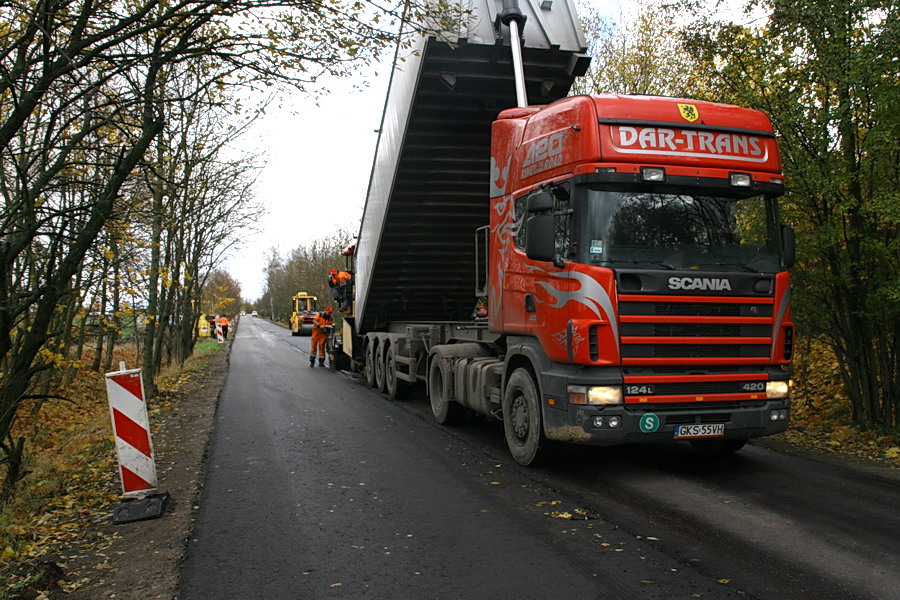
x=339 y=282
x=322 y=326
x=223 y=323
x=481 y=312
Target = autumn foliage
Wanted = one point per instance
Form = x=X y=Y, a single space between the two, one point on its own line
x=72 y=476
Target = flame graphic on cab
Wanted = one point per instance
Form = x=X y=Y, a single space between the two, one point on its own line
x=590 y=293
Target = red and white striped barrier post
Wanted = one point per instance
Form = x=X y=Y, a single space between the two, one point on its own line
x=219 y=335
x=131 y=428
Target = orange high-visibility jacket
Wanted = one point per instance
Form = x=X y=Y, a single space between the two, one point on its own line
x=322 y=320
x=340 y=277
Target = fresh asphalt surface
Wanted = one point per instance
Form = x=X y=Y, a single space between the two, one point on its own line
x=319 y=487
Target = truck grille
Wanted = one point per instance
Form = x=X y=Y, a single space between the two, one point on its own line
x=665 y=330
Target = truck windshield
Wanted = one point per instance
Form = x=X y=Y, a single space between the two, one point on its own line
x=678 y=231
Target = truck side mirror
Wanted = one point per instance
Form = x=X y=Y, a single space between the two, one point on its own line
x=539 y=244
x=788 y=245
x=540 y=202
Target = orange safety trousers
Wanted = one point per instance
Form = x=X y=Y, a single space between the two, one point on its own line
x=318 y=343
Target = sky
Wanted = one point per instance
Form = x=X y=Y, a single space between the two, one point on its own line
x=316 y=175
x=317 y=172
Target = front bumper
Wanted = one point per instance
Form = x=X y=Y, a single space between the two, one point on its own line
x=575 y=423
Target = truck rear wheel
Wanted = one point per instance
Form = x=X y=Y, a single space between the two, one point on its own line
x=370 y=364
x=379 y=368
x=445 y=410
x=396 y=388
x=522 y=420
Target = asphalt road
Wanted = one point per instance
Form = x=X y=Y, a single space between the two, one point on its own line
x=319 y=487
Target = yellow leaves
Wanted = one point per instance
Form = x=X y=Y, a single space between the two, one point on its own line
x=820 y=411
x=577 y=514
x=560 y=515
x=56 y=359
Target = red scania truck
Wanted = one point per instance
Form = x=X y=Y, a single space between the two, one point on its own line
x=628 y=251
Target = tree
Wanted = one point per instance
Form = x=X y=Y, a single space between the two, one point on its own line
x=639 y=55
x=305 y=269
x=84 y=97
x=223 y=293
x=827 y=74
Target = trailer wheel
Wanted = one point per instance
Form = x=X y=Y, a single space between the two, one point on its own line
x=370 y=364
x=397 y=388
x=522 y=420
x=445 y=411
x=718 y=447
x=379 y=368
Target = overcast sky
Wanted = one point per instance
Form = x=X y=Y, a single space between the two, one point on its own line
x=317 y=173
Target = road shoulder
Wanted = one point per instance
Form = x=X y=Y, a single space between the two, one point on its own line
x=143 y=559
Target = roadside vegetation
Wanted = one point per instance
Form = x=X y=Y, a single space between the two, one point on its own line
x=73 y=479
x=303 y=269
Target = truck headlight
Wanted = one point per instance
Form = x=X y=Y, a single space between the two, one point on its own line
x=599 y=395
x=777 y=389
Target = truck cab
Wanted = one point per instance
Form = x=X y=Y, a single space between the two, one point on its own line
x=639 y=268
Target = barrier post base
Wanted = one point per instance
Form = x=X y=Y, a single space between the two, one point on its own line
x=151 y=506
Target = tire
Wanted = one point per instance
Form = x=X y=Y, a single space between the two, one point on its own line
x=522 y=421
x=295 y=333
x=370 y=364
x=396 y=388
x=718 y=447
x=379 y=368
x=445 y=410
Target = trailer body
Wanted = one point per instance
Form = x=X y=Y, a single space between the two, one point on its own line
x=428 y=188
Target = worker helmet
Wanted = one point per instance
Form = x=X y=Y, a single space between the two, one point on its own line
x=333 y=272
x=329 y=310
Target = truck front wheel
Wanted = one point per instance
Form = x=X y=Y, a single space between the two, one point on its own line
x=522 y=420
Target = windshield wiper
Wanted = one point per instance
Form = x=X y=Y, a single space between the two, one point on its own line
x=658 y=263
x=741 y=265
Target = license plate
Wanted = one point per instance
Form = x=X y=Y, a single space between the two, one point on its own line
x=699 y=431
